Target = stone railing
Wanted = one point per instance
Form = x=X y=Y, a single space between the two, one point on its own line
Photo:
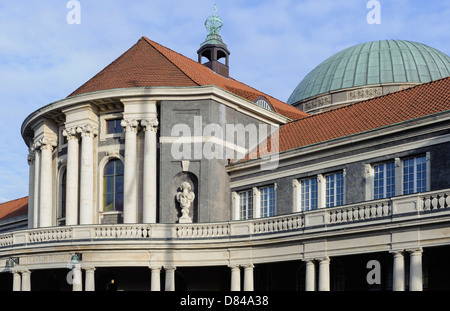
x=366 y=211
x=397 y=209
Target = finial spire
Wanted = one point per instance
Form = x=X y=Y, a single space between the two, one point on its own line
x=214 y=23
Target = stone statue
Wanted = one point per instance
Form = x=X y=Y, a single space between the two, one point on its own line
x=185 y=198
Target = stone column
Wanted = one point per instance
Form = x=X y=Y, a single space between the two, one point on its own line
x=415 y=273
x=324 y=274
x=26 y=281
x=248 y=278
x=130 y=213
x=235 y=278
x=72 y=176
x=87 y=174
x=31 y=181
x=77 y=285
x=155 y=285
x=170 y=279
x=310 y=276
x=37 y=172
x=46 y=183
x=16 y=281
x=150 y=164
x=90 y=279
x=398 y=272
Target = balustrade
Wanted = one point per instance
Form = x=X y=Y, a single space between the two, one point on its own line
x=315 y=220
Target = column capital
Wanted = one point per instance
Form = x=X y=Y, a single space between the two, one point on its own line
x=415 y=251
x=150 y=124
x=130 y=125
x=45 y=143
x=87 y=131
x=71 y=133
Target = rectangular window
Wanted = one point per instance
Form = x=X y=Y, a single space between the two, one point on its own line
x=113 y=126
x=267 y=196
x=246 y=205
x=309 y=194
x=334 y=189
x=414 y=175
x=384 y=180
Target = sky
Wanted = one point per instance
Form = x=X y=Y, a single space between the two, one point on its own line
x=273 y=45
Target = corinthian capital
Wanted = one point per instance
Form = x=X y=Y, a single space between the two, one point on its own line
x=150 y=124
x=46 y=144
x=87 y=131
x=130 y=125
x=71 y=133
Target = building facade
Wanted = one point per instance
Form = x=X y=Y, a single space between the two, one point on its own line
x=162 y=173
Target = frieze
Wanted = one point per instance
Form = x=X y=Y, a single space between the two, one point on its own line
x=318 y=102
x=55 y=258
x=364 y=93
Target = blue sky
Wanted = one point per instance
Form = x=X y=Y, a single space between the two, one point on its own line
x=273 y=45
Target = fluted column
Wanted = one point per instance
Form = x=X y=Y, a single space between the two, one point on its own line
x=37 y=173
x=26 y=281
x=170 y=279
x=77 y=285
x=235 y=278
x=72 y=176
x=150 y=127
x=310 y=276
x=90 y=279
x=130 y=212
x=324 y=274
x=248 y=278
x=398 y=272
x=16 y=281
x=46 y=183
x=31 y=181
x=87 y=174
x=155 y=282
x=415 y=273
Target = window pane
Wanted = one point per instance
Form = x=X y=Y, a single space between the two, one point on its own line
x=113 y=126
x=246 y=205
x=109 y=168
x=108 y=204
x=119 y=202
x=113 y=186
x=309 y=194
x=267 y=201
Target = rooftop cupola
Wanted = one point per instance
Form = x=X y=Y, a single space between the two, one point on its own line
x=214 y=48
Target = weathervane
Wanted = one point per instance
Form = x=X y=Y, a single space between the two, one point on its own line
x=214 y=23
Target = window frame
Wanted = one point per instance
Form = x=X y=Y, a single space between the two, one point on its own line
x=114 y=193
x=335 y=194
x=385 y=193
x=249 y=206
x=425 y=173
x=307 y=204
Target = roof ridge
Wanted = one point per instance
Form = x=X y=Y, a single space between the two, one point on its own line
x=151 y=43
x=370 y=99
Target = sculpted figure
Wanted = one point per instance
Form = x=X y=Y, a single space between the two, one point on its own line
x=185 y=198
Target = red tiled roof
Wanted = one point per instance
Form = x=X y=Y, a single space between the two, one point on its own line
x=14 y=208
x=149 y=64
x=415 y=102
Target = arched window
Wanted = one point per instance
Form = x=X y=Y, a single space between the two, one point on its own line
x=113 y=186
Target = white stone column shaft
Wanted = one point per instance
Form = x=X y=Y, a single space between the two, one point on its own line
x=248 y=278
x=310 y=276
x=16 y=281
x=72 y=177
x=130 y=212
x=170 y=279
x=46 y=184
x=87 y=175
x=398 y=272
x=150 y=172
x=26 y=281
x=31 y=194
x=155 y=282
x=77 y=280
x=415 y=274
x=90 y=279
x=235 y=278
x=324 y=274
x=36 y=192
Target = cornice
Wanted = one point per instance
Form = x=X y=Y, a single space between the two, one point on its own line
x=158 y=94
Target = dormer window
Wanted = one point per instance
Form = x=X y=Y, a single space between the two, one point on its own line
x=263 y=102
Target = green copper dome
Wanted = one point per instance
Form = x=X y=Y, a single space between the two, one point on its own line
x=376 y=62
